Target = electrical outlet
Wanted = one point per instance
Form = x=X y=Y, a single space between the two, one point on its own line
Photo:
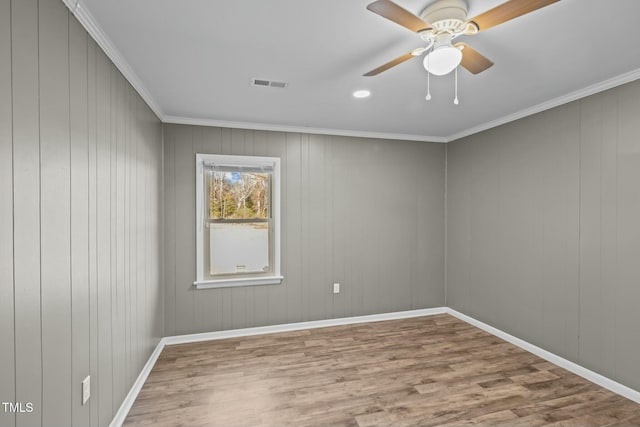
x=336 y=288
x=86 y=389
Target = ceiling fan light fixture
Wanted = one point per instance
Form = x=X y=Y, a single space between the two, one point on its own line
x=442 y=60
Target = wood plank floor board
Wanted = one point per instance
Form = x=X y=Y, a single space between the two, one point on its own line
x=426 y=371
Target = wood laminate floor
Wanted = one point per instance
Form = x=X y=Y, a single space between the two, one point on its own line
x=425 y=371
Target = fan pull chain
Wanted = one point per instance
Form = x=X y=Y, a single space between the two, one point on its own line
x=456 y=101
x=428 y=97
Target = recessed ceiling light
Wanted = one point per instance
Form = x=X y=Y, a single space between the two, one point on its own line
x=361 y=93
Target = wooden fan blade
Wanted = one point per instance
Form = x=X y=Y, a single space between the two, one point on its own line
x=393 y=12
x=473 y=60
x=385 y=67
x=508 y=11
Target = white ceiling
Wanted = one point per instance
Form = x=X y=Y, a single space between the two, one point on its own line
x=195 y=58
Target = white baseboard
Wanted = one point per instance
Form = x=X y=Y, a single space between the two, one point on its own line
x=570 y=366
x=206 y=336
x=127 y=403
x=589 y=375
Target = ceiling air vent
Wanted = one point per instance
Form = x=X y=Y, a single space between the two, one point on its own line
x=267 y=83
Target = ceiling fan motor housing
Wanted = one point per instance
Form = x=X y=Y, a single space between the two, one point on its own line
x=446 y=16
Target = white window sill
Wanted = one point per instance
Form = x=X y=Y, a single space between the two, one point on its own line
x=244 y=281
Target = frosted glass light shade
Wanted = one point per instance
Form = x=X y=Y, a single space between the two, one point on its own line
x=442 y=60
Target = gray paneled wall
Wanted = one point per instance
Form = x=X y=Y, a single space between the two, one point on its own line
x=543 y=230
x=80 y=221
x=367 y=213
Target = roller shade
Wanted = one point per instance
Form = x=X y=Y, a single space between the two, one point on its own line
x=266 y=168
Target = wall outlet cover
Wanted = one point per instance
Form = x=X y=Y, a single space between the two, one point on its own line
x=336 y=288
x=86 y=389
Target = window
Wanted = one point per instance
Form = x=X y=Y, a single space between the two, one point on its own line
x=238 y=222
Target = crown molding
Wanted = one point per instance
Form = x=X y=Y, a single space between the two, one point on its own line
x=547 y=105
x=84 y=16
x=300 y=129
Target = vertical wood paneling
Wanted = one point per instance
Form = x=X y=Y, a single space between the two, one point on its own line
x=293 y=255
x=137 y=317
x=428 y=253
x=591 y=301
x=394 y=255
x=367 y=296
x=70 y=232
x=138 y=307
x=609 y=233
x=153 y=282
x=345 y=233
x=627 y=291
x=118 y=246
x=7 y=368
x=318 y=292
x=458 y=179
x=132 y=325
x=277 y=301
x=145 y=230
x=355 y=221
x=103 y=230
x=80 y=315
x=93 y=213
x=155 y=141
x=130 y=352
x=185 y=229
x=113 y=236
x=543 y=232
x=138 y=218
x=520 y=239
x=55 y=212
x=169 y=231
x=333 y=228
x=302 y=283
x=26 y=207
x=558 y=251
x=327 y=208
x=150 y=216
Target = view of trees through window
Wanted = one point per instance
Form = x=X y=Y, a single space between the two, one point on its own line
x=238 y=195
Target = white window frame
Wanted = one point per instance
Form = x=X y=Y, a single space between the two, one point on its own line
x=275 y=278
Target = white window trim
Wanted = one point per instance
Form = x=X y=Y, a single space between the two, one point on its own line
x=276 y=277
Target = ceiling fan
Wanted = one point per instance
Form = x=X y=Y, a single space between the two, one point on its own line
x=442 y=22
